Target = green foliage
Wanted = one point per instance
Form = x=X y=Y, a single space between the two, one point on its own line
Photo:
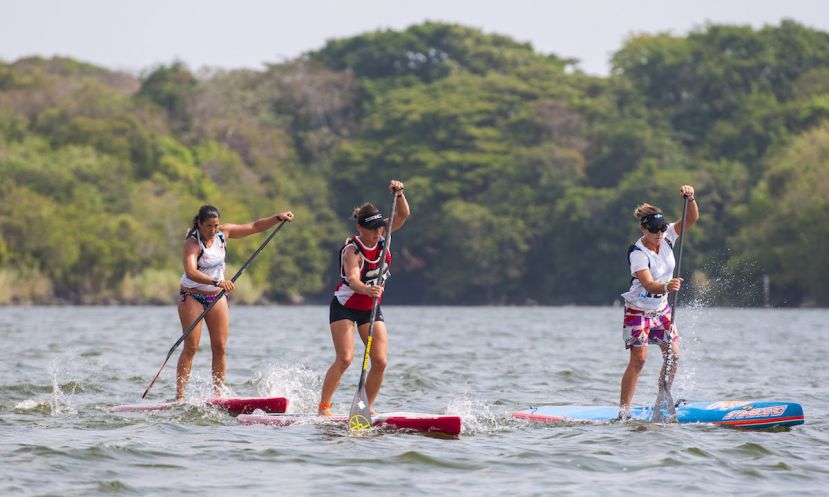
x=171 y=87
x=4 y=253
x=521 y=176
x=490 y=247
x=722 y=87
x=12 y=126
x=428 y=52
x=151 y=286
x=24 y=286
x=8 y=78
x=788 y=206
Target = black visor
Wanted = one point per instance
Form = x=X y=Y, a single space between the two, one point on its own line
x=655 y=222
x=372 y=221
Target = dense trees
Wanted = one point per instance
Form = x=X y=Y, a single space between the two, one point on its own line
x=522 y=174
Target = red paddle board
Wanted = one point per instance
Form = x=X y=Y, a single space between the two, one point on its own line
x=436 y=423
x=234 y=405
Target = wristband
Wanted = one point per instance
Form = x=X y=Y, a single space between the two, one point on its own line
x=215 y=282
x=666 y=287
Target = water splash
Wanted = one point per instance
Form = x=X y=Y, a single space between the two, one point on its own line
x=28 y=405
x=296 y=382
x=692 y=314
x=200 y=389
x=61 y=403
x=196 y=409
x=478 y=416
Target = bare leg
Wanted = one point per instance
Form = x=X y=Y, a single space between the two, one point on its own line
x=638 y=356
x=379 y=359
x=217 y=325
x=188 y=311
x=342 y=333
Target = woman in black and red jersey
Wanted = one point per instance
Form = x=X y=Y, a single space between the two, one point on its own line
x=353 y=297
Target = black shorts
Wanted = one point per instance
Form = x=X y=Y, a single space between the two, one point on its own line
x=338 y=312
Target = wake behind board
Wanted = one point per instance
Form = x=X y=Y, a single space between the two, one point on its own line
x=234 y=405
x=435 y=423
x=744 y=414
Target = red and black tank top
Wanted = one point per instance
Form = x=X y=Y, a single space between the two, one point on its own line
x=369 y=273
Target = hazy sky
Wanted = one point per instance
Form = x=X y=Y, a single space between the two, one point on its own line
x=137 y=34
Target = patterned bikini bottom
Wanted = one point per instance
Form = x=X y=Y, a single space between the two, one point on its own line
x=204 y=300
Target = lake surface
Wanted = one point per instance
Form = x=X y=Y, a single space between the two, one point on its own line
x=63 y=368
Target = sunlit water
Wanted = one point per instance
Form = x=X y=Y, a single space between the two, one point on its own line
x=62 y=369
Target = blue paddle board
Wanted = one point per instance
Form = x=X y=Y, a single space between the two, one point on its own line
x=744 y=414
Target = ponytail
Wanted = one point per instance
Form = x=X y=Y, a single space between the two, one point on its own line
x=193 y=229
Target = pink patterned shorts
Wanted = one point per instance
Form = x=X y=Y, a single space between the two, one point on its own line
x=643 y=327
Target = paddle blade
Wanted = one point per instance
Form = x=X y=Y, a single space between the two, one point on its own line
x=359 y=418
x=664 y=410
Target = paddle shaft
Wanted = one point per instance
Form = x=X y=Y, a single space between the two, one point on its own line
x=678 y=270
x=190 y=328
x=356 y=409
x=664 y=396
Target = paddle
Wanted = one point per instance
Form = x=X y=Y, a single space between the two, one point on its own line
x=664 y=399
x=359 y=417
x=204 y=313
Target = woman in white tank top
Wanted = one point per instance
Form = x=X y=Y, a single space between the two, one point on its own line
x=201 y=283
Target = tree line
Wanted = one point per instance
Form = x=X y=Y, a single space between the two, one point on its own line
x=522 y=171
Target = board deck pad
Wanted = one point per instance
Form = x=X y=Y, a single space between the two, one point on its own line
x=745 y=414
x=234 y=405
x=436 y=423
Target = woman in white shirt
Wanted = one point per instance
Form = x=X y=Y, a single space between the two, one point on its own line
x=201 y=283
x=647 y=313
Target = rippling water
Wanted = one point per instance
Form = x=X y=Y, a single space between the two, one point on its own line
x=62 y=369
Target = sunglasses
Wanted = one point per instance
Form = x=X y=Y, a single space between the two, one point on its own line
x=660 y=229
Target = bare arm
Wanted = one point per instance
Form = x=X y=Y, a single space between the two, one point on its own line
x=402 y=209
x=656 y=287
x=692 y=214
x=258 y=226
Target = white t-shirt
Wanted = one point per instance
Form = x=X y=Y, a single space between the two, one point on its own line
x=661 y=266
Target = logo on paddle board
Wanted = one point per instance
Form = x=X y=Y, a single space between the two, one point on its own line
x=358 y=422
x=760 y=412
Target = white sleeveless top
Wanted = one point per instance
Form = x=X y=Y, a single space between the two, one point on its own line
x=211 y=262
